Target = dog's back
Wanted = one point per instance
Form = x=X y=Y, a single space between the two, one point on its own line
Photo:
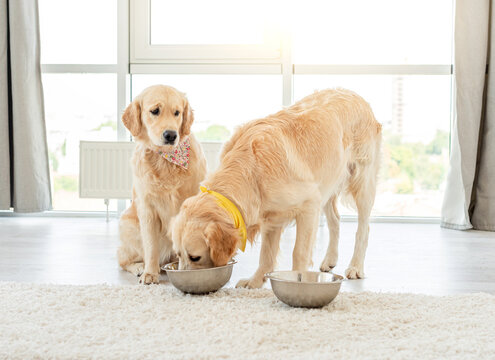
x=326 y=138
x=361 y=137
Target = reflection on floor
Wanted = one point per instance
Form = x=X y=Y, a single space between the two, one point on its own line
x=419 y=258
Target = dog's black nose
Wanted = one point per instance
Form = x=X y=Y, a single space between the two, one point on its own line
x=169 y=136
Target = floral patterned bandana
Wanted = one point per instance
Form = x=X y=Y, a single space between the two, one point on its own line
x=179 y=155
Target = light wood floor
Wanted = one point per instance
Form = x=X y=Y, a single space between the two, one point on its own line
x=419 y=258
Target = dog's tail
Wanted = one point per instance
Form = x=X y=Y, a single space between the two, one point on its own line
x=364 y=166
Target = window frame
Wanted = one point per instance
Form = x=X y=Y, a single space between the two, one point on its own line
x=136 y=55
x=121 y=69
x=190 y=59
x=142 y=51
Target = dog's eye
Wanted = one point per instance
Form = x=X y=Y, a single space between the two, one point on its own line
x=194 y=258
x=177 y=113
x=155 y=111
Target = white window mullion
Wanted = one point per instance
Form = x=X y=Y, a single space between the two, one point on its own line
x=78 y=68
x=122 y=71
x=442 y=69
x=122 y=64
x=287 y=72
x=230 y=69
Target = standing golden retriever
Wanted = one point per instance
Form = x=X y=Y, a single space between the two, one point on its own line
x=287 y=166
x=168 y=165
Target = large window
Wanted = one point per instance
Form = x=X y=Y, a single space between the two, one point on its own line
x=240 y=60
x=79 y=60
x=395 y=53
x=77 y=107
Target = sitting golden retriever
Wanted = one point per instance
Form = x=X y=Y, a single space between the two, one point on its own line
x=168 y=165
x=286 y=166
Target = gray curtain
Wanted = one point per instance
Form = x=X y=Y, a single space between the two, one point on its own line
x=469 y=200
x=24 y=174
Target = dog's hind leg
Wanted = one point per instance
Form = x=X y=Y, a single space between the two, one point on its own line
x=363 y=192
x=130 y=253
x=269 y=249
x=130 y=260
x=136 y=268
x=333 y=222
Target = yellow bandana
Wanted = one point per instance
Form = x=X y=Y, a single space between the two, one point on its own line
x=234 y=212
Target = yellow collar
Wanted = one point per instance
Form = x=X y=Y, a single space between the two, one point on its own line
x=234 y=212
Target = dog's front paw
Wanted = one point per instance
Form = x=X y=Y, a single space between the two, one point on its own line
x=354 y=272
x=252 y=283
x=148 y=278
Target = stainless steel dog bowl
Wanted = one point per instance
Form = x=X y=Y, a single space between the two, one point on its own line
x=311 y=289
x=201 y=281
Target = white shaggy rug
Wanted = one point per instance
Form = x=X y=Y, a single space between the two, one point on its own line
x=158 y=322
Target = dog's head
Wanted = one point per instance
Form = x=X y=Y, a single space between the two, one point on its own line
x=159 y=116
x=203 y=234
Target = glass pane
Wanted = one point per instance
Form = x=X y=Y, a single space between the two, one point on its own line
x=207 y=22
x=78 y=32
x=221 y=102
x=415 y=114
x=77 y=107
x=372 y=32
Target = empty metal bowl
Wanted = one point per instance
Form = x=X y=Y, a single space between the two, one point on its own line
x=311 y=289
x=201 y=281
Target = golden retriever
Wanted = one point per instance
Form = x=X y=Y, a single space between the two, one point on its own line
x=160 y=120
x=287 y=167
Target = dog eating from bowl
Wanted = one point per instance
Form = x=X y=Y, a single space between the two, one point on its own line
x=287 y=166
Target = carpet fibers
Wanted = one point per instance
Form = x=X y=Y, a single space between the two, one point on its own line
x=159 y=322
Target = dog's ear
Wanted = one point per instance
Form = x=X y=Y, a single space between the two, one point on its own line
x=187 y=119
x=132 y=118
x=222 y=243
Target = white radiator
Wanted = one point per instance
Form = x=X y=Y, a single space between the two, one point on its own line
x=105 y=169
